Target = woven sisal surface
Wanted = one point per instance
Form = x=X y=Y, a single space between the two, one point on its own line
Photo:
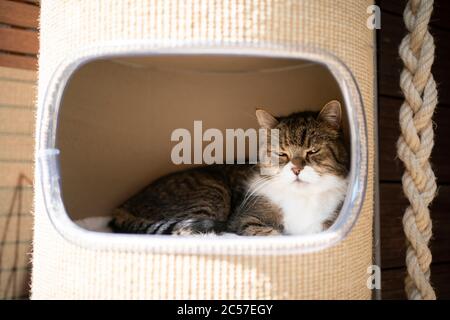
x=64 y=270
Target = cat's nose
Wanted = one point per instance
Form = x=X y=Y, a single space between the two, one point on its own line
x=296 y=171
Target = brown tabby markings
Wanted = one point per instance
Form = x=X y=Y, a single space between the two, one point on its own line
x=215 y=199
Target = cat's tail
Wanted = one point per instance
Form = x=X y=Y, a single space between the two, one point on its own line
x=125 y=222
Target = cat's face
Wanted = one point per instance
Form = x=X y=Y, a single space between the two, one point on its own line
x=311 y=149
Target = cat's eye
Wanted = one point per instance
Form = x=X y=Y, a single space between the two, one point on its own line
x=281 y=154
x=313 y=151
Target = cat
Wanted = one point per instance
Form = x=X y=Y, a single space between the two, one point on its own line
x=302 y=196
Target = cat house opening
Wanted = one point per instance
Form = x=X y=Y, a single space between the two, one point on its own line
x=117 y=115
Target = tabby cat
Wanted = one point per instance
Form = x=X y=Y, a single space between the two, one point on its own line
x=302 y=197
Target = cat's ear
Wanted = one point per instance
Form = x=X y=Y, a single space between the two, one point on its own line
x=331 y=113
x=265 y=119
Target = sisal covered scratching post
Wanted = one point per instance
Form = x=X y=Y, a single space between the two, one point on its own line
x=86 y=96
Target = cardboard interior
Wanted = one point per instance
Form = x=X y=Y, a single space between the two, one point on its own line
x=117 y=115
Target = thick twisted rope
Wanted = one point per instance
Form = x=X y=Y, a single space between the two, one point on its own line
x=415 y=144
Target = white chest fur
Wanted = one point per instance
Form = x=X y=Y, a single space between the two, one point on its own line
x=306 y=206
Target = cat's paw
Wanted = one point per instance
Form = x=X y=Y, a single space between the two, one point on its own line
x=260 y=231
x=186 y=231
x=196 y=226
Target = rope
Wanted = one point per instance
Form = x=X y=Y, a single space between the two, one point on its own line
x=415 y=144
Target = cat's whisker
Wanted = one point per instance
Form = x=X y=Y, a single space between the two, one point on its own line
x=250 y=192
x=254 y=187
x=255 y=184
x=249 y=204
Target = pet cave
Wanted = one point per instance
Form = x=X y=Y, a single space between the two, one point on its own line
x=117 y=115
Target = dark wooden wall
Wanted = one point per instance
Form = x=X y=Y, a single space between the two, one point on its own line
x=392 y=201
x=19 y=43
